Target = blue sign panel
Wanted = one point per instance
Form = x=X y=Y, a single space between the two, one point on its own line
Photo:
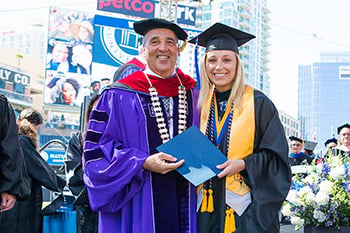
x=116 y=42
x=53 y=157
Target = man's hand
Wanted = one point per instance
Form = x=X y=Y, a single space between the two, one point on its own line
x=231 y=167
x=7 y=201
x=162 y=163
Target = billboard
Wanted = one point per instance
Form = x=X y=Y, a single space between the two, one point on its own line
x=116 y=43
x=148 y=9
x=69 y=57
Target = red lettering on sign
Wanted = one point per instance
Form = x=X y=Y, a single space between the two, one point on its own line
x=148 y=5
x=102 y=4
x=134 y=5
x=117 y=4
x=126 y=4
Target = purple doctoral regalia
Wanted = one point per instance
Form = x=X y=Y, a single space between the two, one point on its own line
x=122 y=133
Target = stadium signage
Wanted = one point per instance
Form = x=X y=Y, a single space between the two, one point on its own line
x=14 y=77
x=146 y=9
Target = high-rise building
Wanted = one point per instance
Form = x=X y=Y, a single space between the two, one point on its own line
x=27 y=42
x=323 y=102
x=250 y=16
x=290 y=124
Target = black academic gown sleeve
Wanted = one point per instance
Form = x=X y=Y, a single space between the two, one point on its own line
x=267 y=170
x=74 y=152
x=13 y=173
x=38 y=169
x=73 y=164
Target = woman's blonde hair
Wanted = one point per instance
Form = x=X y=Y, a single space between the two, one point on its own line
x=26 y=121
x=237 y=88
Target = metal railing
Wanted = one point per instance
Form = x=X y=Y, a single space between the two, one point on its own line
x=43 y=147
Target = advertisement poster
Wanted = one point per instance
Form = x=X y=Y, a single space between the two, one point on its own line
x=69 y=57
x=116 y=43
x=185 y=15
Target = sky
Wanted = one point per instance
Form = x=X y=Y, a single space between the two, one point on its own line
x=300 y=30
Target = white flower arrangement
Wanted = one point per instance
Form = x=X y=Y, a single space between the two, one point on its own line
x=322 y=197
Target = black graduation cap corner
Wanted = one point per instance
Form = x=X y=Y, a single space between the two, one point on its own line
x=222 y=37
x=293 y=138
x=143 y=26
x=310 y=146
x=330 y=140
x=346 y=125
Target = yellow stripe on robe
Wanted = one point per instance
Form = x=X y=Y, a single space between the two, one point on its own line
x=241 y=136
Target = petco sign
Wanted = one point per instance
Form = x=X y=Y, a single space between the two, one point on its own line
x=146 y=9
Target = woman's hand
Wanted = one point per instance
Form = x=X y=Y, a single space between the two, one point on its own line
x=162 y=163
x=7 y=201
x=231 y=167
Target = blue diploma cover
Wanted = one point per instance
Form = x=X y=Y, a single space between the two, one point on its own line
x=200 y=154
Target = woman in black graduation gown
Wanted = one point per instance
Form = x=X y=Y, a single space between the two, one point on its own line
x=25 y=217
x=244 y=124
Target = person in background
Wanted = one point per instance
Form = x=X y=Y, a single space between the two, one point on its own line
x=331 y=143
x=137 y=63
x=69 y=92
x=105 y=82
x=59 y=28
x=82 y=31
x=61 y=59
x=82 y=58
x=87 y=220
x=243 y=123
x=26 y=216
x=14 y=183
x=297 y=156
x=309 y=147
x=134 y=187
x=343 y=147
x=95 y=87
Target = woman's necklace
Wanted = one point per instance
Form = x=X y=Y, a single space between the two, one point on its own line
x=182 y=108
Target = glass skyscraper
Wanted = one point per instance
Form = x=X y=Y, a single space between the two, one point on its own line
x=250 y=16
x=323 y=92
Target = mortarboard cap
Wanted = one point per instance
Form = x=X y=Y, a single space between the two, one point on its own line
x=293 y=138
x=309 y=145
x=330 y=141
x=343 y=126
x=95 y=82
x=144 y=26
x=222 y=37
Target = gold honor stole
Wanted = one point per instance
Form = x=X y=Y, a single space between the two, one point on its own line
x=242 y=134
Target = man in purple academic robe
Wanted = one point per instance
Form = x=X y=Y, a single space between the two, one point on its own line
x=134 y=188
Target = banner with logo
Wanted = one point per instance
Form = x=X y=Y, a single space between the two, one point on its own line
x=149 y=9
x=116 y=43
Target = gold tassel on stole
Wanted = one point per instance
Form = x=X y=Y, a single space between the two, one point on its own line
x=204 y=202
x=210 y=201
x=230 y=223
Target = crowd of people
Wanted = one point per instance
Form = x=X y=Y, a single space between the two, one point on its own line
x=302 y=151
x=120 y=180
